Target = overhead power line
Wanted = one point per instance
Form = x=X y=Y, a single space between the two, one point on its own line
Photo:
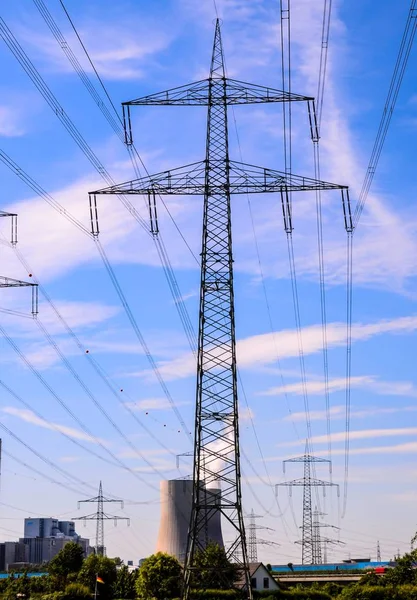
x=390 y=102
x=188 y=328
x=325 y=33
x=58 y=110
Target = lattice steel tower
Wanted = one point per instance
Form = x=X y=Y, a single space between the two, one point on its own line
x=8 y=282
x=100 y=516
x=310 y=543
x=216 y=450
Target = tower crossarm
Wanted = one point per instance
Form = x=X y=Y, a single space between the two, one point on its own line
x=231 y=92
x=13 y=219
x=306 y=458
x=244 y=179
x=310 y=483
x=197 y=94
x=8 y=282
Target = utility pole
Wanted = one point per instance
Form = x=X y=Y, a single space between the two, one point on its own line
x=378 y=552
x=310 y=550
x=216 y=178
x=100 y=516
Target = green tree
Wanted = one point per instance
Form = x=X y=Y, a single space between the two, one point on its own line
x=125 y=586
x=105 y=568
x=159 y=577
x=403 y=572
x=213 y=570
x=68 y=560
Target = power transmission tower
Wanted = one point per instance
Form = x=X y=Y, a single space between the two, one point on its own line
x=252 y=544
x=316 y=537
x=378 y=552
x=8 y=282
x=321 y=543
x=216 y=442
x=253 y=540
x=100 y=516
x=311 y=552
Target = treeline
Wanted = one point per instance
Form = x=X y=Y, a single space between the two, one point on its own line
x=71 y=576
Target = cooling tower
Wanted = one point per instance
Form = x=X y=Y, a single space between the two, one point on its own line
x=176 y=503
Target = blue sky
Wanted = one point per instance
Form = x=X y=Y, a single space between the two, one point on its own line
x=139 y=48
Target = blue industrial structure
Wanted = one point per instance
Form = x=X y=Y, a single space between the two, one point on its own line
x=345 y=566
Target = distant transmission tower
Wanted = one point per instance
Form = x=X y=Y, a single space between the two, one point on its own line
x=253 y=540
x=252 y=544
x=7 y=282
x=378 y=552
x=321 y=543
x=216 y=449
x=311 y=550
x=316 y=538
x=100 y=516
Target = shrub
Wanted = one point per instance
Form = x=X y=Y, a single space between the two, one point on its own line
x=367 y=592
x=77 y=591
x=54 y=596
x=214 y=594
x=306 y=594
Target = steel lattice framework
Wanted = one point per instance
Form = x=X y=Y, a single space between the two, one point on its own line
x=100 y=516
x=216 y=451
x=8 y=282
x=310 y=542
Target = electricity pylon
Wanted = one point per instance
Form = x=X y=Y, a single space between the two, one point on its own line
x=253 y=540
x=216 y=178
x=378 y=552
x=8 y=282
x=100 y=516
x=321 y=543
x=311 y=551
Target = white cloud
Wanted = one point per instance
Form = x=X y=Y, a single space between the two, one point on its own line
x=10 y=122
x=407 y=448
x=70 y=459
x=261 y=349
x=370 y=382
x=365 y=434
x=124 y=49
x=29 y=417
x=339 y=412
x=154 y=404
x=246 y=414
x=315 y=387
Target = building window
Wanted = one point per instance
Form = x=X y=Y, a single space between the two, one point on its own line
x=253 y=583
x=266 y=583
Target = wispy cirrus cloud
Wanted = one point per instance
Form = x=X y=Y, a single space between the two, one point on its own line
x=339 y=412
x=29 y=417
x=10 y=122
x=154 y=404
x=124 y=50
x=262 y=349
x=363 y=434
x=407 y=448
x=369 y=382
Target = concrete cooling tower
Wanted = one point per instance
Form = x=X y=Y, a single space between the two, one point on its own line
x=176 y=504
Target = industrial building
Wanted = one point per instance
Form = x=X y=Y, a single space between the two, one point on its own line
x=43 y=539
x=176 y=504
